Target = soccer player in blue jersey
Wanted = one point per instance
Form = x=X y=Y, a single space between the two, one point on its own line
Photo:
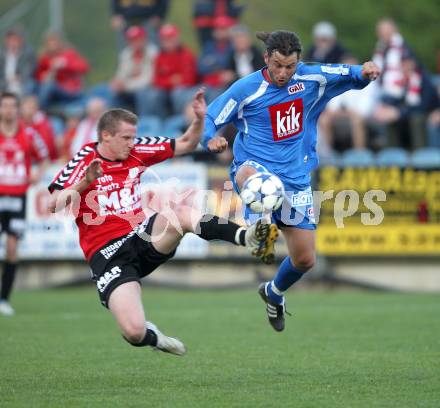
x=275 y=111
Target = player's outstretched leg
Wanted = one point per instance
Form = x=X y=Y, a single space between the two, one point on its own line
x=259 y=238
x=166 y=235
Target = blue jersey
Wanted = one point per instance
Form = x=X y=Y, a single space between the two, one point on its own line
x=277 y=126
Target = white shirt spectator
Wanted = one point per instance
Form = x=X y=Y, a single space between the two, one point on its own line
x=360 y=101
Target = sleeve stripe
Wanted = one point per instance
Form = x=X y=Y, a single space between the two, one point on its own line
x=70 y=167
x=150 y=140
x=227 y=109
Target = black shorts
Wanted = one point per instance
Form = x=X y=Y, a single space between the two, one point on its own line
x=134 y=259
x=12 y=215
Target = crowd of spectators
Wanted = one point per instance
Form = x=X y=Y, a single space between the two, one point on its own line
x=157 y=74
x=401 y=109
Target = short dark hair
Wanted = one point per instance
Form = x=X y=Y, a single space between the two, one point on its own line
x=12 y=95
x=109 y=121
x=285 y=42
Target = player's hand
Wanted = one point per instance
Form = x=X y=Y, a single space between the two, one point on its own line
x=370 y=70
x=94 y=170
x=199 y=104
x=217 y=144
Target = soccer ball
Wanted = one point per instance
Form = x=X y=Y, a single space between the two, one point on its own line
x=263 y=192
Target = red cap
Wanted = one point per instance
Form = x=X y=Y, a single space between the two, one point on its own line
x=134 y=33
x=223 y=22
x=168 y=31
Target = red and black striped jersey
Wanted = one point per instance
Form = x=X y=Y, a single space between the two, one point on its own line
x=111 y=206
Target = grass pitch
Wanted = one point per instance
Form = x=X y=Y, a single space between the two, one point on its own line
x=340 y=349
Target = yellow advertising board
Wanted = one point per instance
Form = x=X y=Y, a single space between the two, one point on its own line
x=378 y=211
x=379 y=240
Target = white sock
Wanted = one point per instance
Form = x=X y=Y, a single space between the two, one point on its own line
x=237 y=235
x=275 y=289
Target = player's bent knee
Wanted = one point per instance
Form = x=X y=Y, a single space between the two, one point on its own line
x=134 y=332
x=243 y=173
x=188 y=218
x=305 y=262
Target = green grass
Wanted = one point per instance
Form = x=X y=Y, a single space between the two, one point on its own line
x=340 y=349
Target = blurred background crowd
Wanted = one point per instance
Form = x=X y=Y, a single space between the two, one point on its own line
x=157 y=72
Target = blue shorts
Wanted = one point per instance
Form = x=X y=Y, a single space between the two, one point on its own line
x=297 y=208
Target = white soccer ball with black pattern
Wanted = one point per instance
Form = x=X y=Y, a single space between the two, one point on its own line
x=263 y=192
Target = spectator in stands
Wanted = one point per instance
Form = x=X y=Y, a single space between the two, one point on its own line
x=206 y=11
x=135 y=71
x=86 y=131
x=214 y=64
x=148 y=14
x=245 y=57
x=347 y=115
x=433 y=129
x=407 y=109
x=433 y=123
x=388 y=56
x=34 y=117
x=326 y=48
x=71 y=124
x=17 y=64
x=175 y=74
x=60 y=71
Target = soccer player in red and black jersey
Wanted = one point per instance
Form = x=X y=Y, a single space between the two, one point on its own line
x=19 y=146
x=122 y=241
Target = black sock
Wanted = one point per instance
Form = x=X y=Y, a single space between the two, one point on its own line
x=7 y=279
x=212 y=227
x=150 y=339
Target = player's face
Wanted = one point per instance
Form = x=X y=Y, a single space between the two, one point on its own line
x=8 y=109
x=281 y=67
x=121 y=143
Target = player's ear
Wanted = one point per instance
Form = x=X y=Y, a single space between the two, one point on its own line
x=266 y=57
x=105 y=135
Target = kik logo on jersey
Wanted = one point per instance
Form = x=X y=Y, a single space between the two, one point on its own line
x=286 y=119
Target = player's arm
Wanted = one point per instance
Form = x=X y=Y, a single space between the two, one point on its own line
x=60 y=199
x=339 y=78
x=221 y=111
x=188 y=142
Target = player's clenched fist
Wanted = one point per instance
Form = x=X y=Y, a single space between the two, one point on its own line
x=370 y=70
x=217 y=144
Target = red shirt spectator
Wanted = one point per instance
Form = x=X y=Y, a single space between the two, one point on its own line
x=61 y=63
x=206 y=11
x=175 y=65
